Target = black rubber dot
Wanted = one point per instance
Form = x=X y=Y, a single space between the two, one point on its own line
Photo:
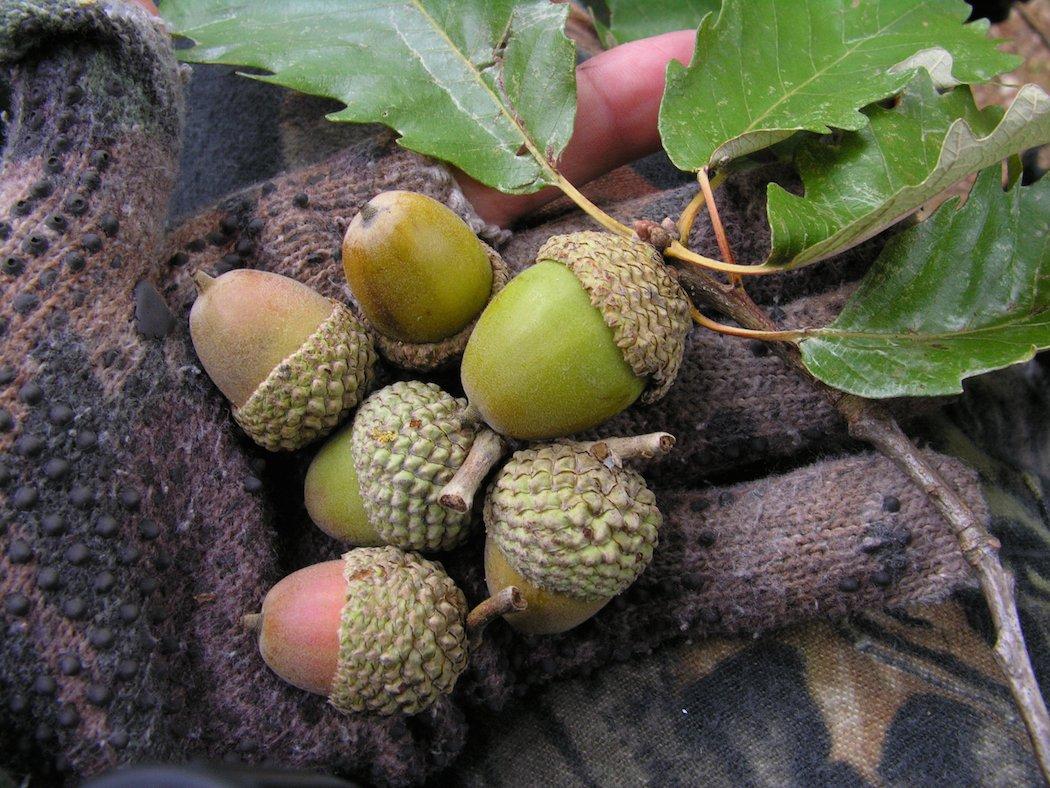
x=25 y=498
x=81 y=496
x=22 y=208
x=74 y=261
x=57 y=222
x=5 y=231
x=7 y=375
x=710 y=615
x=44 y=685
x=126 y=669
x=19 y=551
x=75 y=204
x=30 y=445
x=725 y=498
x=128 y=612
x=91 y=241
x=12 y=266
x=53 y=525
x=60 y=415
x=31 y=393
x=6 y=475
x=228 y=225
x=106 y=525
x=86 y=440
x=149 y=529
x=24 y=303
x=47 y=278
x=148 y=584
x=301 y=200
x=315 y=258
x=98 y=694
x=67 y=716
x=100 y=159
x=252 y=484
x=255 y=226
x=47 y=578
x=118 y=739
x=74 y=608
x=44 y=733
x=128 y=554
x=65 y=120
x=268 y=188
x=245 y=247
x=178 y=259
x=6 y=422
x=78 y=553
x=90 y=180
x=16 y=604
x=156 y=613
x=848 y=585
x=35 y=245
x=41 y=189
x=108 y=224
x=103 y=582
x=130 y=498
x=891 y=503
x=17 y=702
x=73 y=94
x=881 y=578
x=196 y=245
x=222 y=267
x=53 y=165
x=705 y=538
x=100 y=637
x=69 y=665
x=231 y=260
x=216 y=238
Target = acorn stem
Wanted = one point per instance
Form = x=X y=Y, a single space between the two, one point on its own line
x=202 y=280
x=252 y=621
x=458 y=494
x=508 y=600
x=635 y=447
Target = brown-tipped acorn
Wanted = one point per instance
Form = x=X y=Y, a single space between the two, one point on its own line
x=596 y=323
x=378 y=481
x=571 y=527
x=379 y=631
x=292 y=362
x=420 y=277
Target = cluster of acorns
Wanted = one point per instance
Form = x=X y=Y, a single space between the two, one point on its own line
x=597 y=323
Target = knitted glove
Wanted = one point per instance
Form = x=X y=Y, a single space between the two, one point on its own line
x=139 y=524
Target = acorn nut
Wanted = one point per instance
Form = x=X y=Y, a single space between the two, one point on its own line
x=420 y=276
x=571 y=527
x=378 y=481
x=596 y=323
x=379 y=631
x=291 y=362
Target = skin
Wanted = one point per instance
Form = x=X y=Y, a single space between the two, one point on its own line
x=299 y=631
x=246 y=322
x=417 y=270
x=333 y=494
x=546 y=613
x=542 y=363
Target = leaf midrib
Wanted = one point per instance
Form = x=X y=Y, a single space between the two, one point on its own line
x=1018 y=322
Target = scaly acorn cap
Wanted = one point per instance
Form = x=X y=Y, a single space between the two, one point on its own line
x=408 y=441
x=572 y=520
x=402 y=634
x=637 y=295
x=428 y=356
x=309 y=393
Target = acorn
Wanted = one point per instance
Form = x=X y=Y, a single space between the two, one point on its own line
x=420 y=277
x=291 y=362
x=571 y=527
x=597 y=322
x=379 y=480
x=379 y=631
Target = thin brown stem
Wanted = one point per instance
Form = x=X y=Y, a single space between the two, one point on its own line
x=869 y=421
x=458 y=494
x=508 y=600
x=748 y=333
x=633 y=447
x=689 y=214
x=716 y=220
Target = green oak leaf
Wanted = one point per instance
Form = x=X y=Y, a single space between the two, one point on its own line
x=764 y=69
x=965 y=292
x=862 y=182
x=630 y=20
x=488 y=86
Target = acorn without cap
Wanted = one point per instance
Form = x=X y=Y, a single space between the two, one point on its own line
x=596 y=323
x=571 y=527
x=381 y=630
x=378 y=480
x=420 y=276
x=292 y=362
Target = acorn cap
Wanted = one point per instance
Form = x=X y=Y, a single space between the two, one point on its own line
x=309 y=393
x=428 y=356
x=637 y=295
x=408 y=441
x=402 y=633
x=571 y=523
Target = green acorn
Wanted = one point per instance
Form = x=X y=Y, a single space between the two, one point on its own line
x=379 y=480
x=292 y=362
x=596 y=323
x=571 y=527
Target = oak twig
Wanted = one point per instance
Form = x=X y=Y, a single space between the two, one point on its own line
x=508 y=600
x=869 y=421
x=458 y=494
x=635 y=447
